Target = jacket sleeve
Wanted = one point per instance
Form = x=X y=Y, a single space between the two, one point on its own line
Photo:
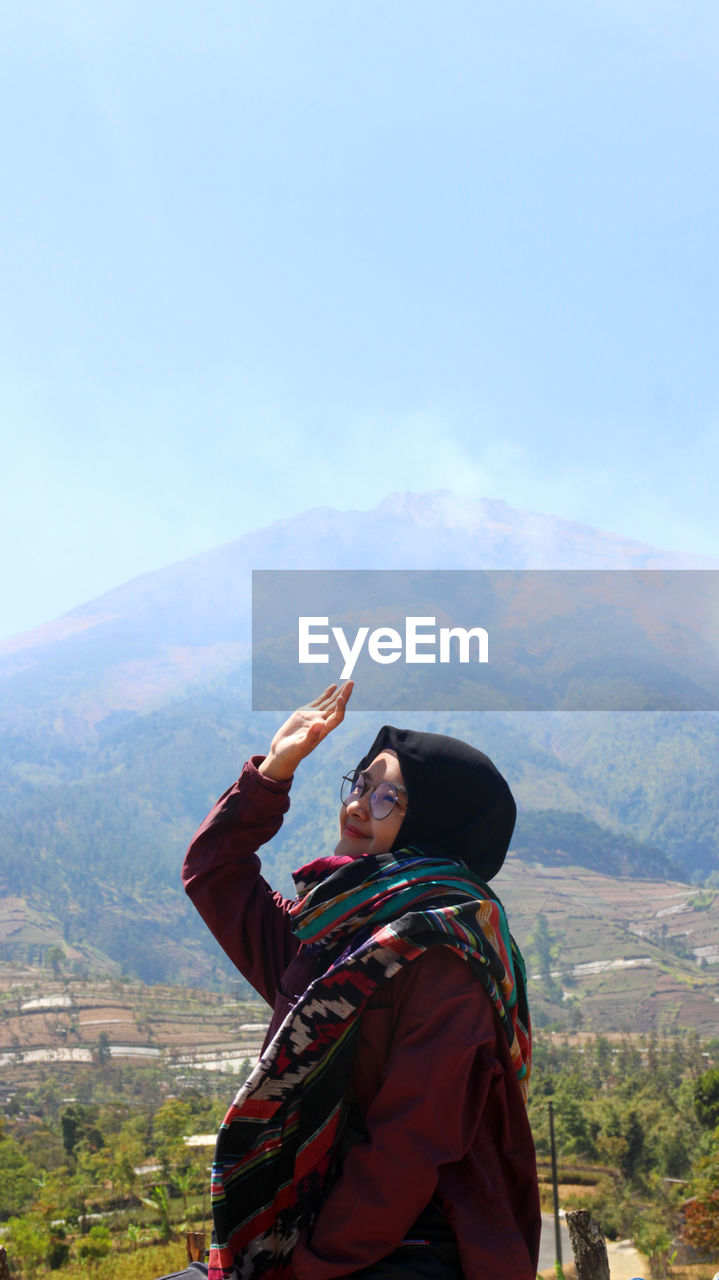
x=221 y=874
x=425 y=1114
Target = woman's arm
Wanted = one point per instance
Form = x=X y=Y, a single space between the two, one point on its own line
x=221 y=874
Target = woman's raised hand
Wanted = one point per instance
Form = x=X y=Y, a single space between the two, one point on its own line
x=307 y=726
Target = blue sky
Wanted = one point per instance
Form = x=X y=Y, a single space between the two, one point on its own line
x=263 y=257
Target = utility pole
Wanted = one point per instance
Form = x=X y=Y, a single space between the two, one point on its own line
x=555 y=1187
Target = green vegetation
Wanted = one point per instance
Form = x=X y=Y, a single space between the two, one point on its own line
x=112 y=1149
x=706 y=1099
x=553 y=837
x=634 y=1119
x=702 y=900
x=541 y=953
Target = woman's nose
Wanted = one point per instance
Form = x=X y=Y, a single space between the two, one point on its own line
x=358 y=802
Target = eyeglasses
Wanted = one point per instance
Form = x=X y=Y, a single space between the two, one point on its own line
x=383 y=796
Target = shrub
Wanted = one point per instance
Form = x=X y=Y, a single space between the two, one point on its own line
x=96 y=1244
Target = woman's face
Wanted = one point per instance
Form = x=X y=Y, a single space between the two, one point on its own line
x=360 y=833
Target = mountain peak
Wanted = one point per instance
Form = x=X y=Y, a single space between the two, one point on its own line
x=204 y=601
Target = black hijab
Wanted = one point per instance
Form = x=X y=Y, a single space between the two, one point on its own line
x=457 y=799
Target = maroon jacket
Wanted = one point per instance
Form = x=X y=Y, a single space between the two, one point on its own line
x=432 y=1073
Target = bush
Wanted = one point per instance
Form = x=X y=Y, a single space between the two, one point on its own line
x=611 y=1205
x=654 y=1240
x=702 y=1223
x=59 y=1252
x=29 y=1242
x=96 y=1244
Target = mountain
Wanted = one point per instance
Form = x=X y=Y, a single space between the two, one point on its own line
x=123 y=720
x=177 y=628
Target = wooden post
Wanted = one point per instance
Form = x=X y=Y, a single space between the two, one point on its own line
x=195 y=1245
x=588 y=1246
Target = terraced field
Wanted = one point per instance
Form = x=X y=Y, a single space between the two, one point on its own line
x=626 y=956
x=629 y=955
x=49 y=1020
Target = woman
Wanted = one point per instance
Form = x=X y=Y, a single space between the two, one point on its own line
x=384 y=1130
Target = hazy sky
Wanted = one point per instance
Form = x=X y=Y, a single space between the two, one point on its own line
x=265 y=256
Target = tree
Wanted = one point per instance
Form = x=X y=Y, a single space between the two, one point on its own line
x=701 y=1219
x=102 y=1048
x=654 y=1240
x=54 y=1195
x=183 y=1180
x=54 y=957
x=30 y=1240
x=59 y=1252
x=159 y=1202
x=706 y=1098
x=79 y=1124
x=173 y=1121
x=702 y=1212
x=127 y=1153
x=632 y=1161
x=542 y=950
x=622 y=1141
x=16 y=1178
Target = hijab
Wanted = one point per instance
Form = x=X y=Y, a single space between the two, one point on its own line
x=458 y=800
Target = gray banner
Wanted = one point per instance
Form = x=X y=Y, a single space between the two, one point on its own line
x=504 y=640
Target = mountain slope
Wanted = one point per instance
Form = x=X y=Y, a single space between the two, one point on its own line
x=164 y=632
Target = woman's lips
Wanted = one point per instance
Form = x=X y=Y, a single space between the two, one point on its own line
x=354 y=832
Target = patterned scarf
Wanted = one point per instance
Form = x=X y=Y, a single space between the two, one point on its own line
x=367 y=920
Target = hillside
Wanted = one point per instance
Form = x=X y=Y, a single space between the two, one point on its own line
x=603 y=955
x=612 y=954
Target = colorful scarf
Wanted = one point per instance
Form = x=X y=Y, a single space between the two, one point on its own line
x=367 y=920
